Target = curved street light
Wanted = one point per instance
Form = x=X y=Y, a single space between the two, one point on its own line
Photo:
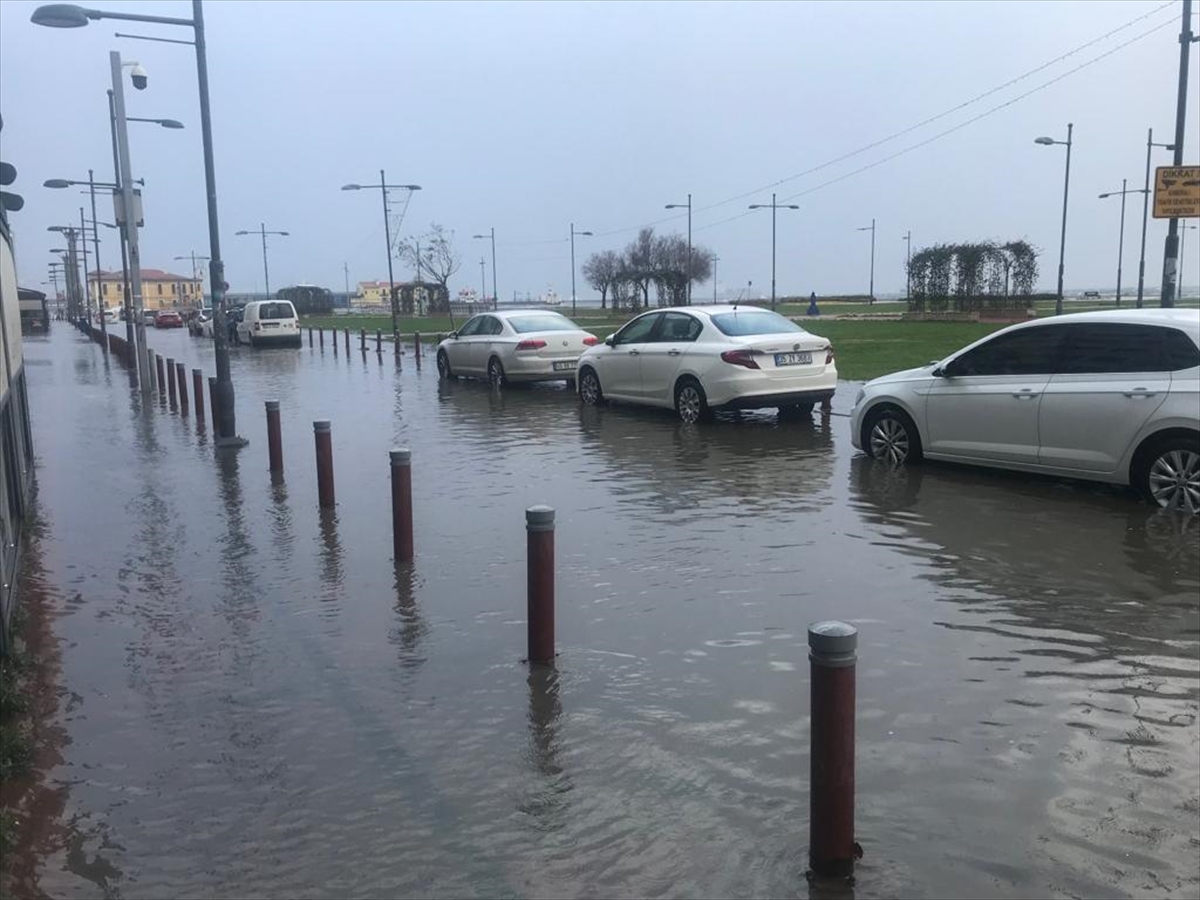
x=1062 y=246
x=383 y=187
x=773 y=206
x=484 y=237
x=573 y=234
x=262 y=230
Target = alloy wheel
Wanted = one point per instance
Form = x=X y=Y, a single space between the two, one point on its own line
x=889 y=441
x=689 y=404
x=443 y=364
x=589 y=388
x=1175 y=480
x=495 y=372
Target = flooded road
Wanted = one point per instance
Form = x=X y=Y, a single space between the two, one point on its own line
x=257 y=703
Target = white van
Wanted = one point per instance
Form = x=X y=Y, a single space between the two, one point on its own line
x=269 y=323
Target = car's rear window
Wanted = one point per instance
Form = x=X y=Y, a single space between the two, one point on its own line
x=753 y=321
x=276 y=311
x=541 y=322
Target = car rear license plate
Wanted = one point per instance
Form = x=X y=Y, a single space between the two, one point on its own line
x=802 y=358
x=567 y=365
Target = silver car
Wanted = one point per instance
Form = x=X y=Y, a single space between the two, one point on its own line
x=1106 y=396
x=514 y=345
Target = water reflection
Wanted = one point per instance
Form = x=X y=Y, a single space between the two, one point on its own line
x=332 y=570
x=408 y=629
x=547 y=801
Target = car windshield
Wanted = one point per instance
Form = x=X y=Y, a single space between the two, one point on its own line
x=276 y=311
x=753 y=321
x=541 y=322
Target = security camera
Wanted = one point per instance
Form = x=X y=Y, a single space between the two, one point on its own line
x=139 y=77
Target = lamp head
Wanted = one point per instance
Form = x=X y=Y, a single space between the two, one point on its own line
x=170 y=123
x=60 y=15
x=1044 y=140
x=56 y=183
x=351 y=187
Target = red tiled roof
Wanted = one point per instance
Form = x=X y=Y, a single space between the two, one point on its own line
x=147 y=275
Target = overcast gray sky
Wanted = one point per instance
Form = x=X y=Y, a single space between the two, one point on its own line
x=529 y=116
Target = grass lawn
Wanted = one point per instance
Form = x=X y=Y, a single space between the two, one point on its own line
x=867 y=349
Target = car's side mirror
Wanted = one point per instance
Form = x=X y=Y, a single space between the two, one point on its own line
x=452 y=334
x=949 y=370
x=610 y=341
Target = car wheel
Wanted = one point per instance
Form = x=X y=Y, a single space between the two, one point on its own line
x=443 y=365
x=495 y=372
x=1168 y=475
x=889 y=434
x=589 y=388
x=690 y=402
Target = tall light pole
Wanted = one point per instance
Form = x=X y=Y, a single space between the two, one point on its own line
x=1146 y=212
x=383 y=188
x=70 y=265
x=495 y=293
x=908 y=265
x=1062 y=245
x=689 y=255
x=716 y=259
x=262 y=230
x=66 y=15
x=871 y=291
x=773 y=206
x=1121 y=240
x=196 y=273
x=483 y=282
x=1183 y=230
x=581 y=234
x=1171 y=248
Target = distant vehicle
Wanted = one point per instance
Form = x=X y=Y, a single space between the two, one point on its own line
x=148 y=316
x=35 y=313
x=516 y=345
x=197 y=322
x=267 y=323
x=168 y=318
x=697 y=359
x=1109 y=396
x=112 y=315
x=308 y=299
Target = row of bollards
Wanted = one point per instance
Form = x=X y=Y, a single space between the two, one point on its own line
x=418 y=347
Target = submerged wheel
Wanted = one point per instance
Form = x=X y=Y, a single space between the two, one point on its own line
x=1169 y=474
x=889 y=434
x=690 y=402
x=589 y=388
x=443 y=365
x=495 y=371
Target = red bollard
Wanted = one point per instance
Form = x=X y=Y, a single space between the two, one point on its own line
x=181 y=377
x=539 y=527
x=170 y=380
x=402 y=528
x=198 y=393
x=832 y=654
x=347 y=333
x=333 y=334
x=212 y=401
x=324 y=441
x=378 y=341
x=274 y=437
x=362 y=339
x=310 y=338
x=417 y=344
x=321 y=336
x=396 y=348
x=158 y=368
x=827 y=406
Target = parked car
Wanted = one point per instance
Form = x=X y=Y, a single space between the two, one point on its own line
x=168 y=318
x=148 y=316
x=199 y=319
x=698 y=359
x=514 y=345
x=112 y=315
x=267 y=323
x=1108 y=396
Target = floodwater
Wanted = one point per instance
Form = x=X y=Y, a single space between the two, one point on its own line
x=256 y=702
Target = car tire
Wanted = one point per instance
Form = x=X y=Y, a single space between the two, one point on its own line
x=495 y=372
x=1167 y=473
x=691 y=403
x=590 y=391
x=891 y=435
x=443 y=365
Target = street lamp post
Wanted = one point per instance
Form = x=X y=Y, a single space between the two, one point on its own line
x=1183 y=230
x=196 y=273
x=581 y=234
x=689 y=254
x=1146 y=212
x=1062 y=245
x=67 y=15
x=495 y=293
x=716 y=259
x=1171 y=249
x=871 y=289
x=384 y=187
x=1121 y=240
x=483 y=282
x=773 y=206
x=262 y=230
x=908 y=265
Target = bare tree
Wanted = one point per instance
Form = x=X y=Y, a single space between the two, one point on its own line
x=640 y=264
x=601 y=271
x=432 y=254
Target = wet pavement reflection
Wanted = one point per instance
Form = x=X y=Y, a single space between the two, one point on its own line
x=268 y=705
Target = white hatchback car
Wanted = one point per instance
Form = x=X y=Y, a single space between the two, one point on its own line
x=269 y=323
x=1108 y=396
x=696 y=359
x=514 y=345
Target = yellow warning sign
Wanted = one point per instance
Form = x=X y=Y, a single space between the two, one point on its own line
x=1177 y=192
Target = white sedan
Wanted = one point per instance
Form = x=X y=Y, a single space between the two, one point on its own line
x=514 y=345
x=696 y=359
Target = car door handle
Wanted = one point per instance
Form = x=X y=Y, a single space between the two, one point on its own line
x=1140 y=392
x=635 y=352
x=672 y=353
x=1024 y=394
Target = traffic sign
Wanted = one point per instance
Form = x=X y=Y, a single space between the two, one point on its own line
x=1177 y=192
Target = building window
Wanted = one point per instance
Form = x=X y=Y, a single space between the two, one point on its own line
x=159 y=286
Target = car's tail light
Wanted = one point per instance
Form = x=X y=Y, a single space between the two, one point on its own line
x=531 y=344
x=829 y=355
x=740 y=358
x=590 y=341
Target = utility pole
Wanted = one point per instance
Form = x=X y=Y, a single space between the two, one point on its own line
x=1171 y=249
x=346 y=273
x=908 y=266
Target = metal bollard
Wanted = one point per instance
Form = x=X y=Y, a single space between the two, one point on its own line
x=154 y=371
x=539 y=541
x=181 y=377
x=333 y=334
x=827 y=406
x=832 y=655
x=362 y=339
x=402 y=527
x=212 y=402
x=198 y=393
x=170 y=379
x=324 y=440
x=417 y=344
x=321 y=335
x=310 y=338
x=378 y=341
x=347 y=333
x=274 y=436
